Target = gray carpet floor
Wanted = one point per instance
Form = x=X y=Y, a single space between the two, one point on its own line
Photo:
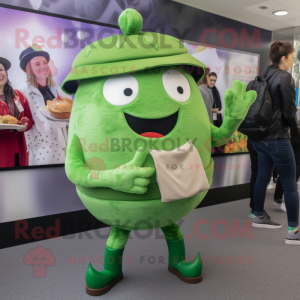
x=250 y=267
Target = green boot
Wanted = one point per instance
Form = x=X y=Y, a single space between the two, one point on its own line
x=189 y=272
x=99 y=283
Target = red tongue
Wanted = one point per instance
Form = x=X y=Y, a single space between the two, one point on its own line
x=152 y=135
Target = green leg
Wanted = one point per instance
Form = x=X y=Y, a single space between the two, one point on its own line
x=117 y=238
x=112 y=263
x=188 y=270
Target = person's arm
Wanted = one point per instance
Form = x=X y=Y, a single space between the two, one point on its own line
x=219 y=97
x=237 y=103
x=207 y=103
x=3 y=112
x=61 y=93
x=127 y=179
x=288 y=94
x=215 y=109
x=27 y=111
x=3 y=108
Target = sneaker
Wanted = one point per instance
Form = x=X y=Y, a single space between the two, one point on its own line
x=282 y=207
x=280 y=203
x=251 y=215
x=277 y=201
x=292 y=238
x=270 y=185
x=265 y=222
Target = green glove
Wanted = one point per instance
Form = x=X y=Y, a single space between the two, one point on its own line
x=129 y=178
x=237 y=103
x=237 y=100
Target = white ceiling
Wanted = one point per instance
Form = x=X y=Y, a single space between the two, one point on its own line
x=247 y=11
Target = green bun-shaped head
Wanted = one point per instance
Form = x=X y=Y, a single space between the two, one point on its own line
x=129 y=52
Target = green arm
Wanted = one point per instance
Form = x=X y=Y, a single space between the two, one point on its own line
x=126 y=179
x=237 y=103
x=220 y=136
x=76 y=170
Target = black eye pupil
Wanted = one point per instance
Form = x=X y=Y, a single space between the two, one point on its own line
x=180 y=90
x=128 y=92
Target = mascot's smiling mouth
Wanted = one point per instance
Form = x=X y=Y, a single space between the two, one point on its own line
x=152 y=128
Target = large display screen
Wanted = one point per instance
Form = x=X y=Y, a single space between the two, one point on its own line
x=45 y=142
x=37 y=134
x=228 y=65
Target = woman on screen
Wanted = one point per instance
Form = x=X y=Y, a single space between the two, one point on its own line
x=13 y=150
x=47 y=140
x=206 y=94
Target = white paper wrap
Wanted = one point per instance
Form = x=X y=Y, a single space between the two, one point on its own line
x=180 y=173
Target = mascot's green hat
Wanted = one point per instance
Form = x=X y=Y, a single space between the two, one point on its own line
x=130 y=52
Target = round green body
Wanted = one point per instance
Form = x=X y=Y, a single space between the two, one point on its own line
x=106 y=136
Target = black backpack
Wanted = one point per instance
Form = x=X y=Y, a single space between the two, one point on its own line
x=257 y=121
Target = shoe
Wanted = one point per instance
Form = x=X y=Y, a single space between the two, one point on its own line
x=189 y=272
x=292 y=238
x=282 y=207
x=265 y=222
x=280 y=203
x=251 y=215
x=99 y=283
x=277 y=201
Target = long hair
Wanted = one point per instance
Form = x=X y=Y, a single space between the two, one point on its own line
x=31 y=79
x=204 y=79
x=9 y=95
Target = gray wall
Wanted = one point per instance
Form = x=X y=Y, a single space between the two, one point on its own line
x=47 y=191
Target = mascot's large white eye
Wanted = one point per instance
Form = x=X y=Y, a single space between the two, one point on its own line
x=120 y=89
x=176 y=85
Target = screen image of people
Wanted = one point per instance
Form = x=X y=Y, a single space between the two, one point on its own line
x=207 y=95
x=14 y=110
x=216 y=104
x=47 y=140
x=34 y=111
x=38 y=54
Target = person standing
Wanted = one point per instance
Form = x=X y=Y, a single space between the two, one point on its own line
x=275 y=147
x=295 y=141
x=13 y=150
x=254 y=172
x=207 y=96
x=47 y=140
x=217 y=103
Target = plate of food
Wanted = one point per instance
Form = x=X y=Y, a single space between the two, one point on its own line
x=58 y=109
x=10 y=122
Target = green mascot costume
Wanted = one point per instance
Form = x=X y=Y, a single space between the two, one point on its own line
x=135 y=93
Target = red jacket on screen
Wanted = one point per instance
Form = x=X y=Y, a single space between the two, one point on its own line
x=12 y=142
